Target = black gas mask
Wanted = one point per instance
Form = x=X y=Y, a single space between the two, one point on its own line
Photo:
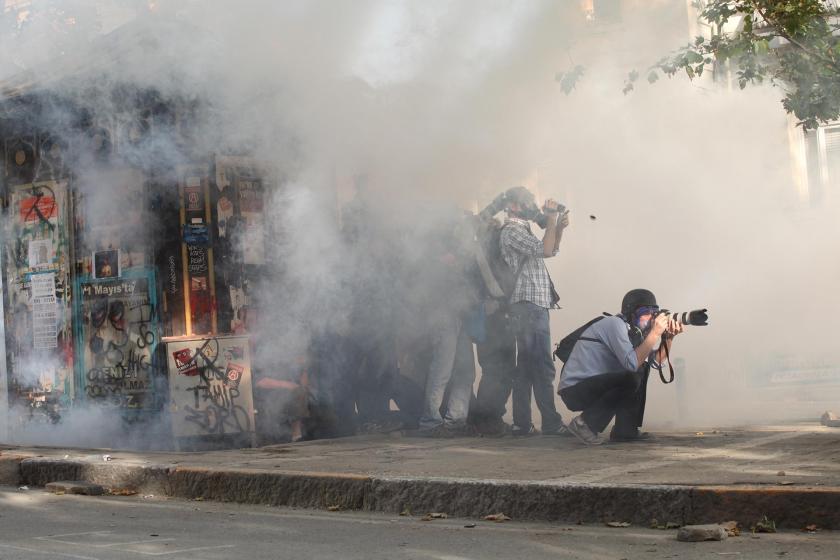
x=531 y=212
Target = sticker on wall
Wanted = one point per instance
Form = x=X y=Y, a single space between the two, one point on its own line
x=38 y=208
x=44 y=311
x=106 y=264
x=198 y=283
x=192 y=199
x=196 y=234
x=184 y=362
x=234 y=374
x=224 y=210
x=41 y=254
x=197 y=263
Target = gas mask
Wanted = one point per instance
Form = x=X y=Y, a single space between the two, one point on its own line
x=531 y=212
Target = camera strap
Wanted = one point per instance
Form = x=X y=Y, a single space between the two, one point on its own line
x=670 y=367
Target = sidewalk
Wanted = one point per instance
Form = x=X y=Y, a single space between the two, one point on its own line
x=791 y=474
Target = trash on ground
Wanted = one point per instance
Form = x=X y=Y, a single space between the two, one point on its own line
x=700 y=533
x=765 y=526
x=333 y=508
x=107 y=458
x=617 y=524
x=436 y=515
x=497 y=517
x=148 y=497
x=469 y=526
x=23 y=488
x=810 y=528
x=122 y=492
x=405 y=513
x=731 y=528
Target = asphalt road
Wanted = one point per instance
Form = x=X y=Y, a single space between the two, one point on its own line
x=35 y=525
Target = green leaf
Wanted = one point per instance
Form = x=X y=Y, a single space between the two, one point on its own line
x=693 y=57
x=568 y=80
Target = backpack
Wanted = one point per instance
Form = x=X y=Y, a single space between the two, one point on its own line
x=564 y=347
x=499 y=279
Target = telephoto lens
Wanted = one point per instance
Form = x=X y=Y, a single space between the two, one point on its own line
x=697 y=318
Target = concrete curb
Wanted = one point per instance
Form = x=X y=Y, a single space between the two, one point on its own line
x=588 y=503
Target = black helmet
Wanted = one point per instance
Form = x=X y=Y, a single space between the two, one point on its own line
x=635 y=299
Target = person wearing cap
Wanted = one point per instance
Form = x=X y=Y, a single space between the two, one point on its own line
x=607 y=371
x=533 y=295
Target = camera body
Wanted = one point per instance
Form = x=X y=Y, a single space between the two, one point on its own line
x=532 y=211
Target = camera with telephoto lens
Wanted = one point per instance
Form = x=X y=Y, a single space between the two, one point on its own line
x=697 y=318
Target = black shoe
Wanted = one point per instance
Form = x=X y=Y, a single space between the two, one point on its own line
x=622 y=437
x=441 y=431
x=524 y=432
x=492 y=428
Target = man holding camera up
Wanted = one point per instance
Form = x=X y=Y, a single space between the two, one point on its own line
x=607 y=371
x=533 y=295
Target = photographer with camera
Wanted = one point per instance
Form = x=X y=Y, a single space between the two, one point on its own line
x=533 y=294
x=607 y=370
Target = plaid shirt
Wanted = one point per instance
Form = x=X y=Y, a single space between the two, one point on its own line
x=517 y=242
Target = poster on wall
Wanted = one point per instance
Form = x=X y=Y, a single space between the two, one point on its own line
x=210 y=387
x=250 y=193
x=36 y=275
x=116 y=338
x=41 y=254
x=44 y=311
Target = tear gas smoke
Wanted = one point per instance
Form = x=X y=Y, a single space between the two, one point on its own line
x=441 y=105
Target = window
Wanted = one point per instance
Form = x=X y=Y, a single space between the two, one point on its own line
x=822 y=156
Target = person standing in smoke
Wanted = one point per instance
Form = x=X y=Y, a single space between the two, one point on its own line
x=533 y=295
x=448 y=282
x=367 y=351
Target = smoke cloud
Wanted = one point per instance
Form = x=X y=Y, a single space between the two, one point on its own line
x=433 y=106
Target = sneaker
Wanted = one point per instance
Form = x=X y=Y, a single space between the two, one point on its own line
x=524 y=432
x=560 y=430
x=581 y=431
x=621 y=437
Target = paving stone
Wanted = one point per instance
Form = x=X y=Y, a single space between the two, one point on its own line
x=698 y=533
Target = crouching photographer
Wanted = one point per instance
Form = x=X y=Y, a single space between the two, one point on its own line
x=607 y=363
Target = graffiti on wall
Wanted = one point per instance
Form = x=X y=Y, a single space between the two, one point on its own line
x=118 y=336
x=210 y=386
